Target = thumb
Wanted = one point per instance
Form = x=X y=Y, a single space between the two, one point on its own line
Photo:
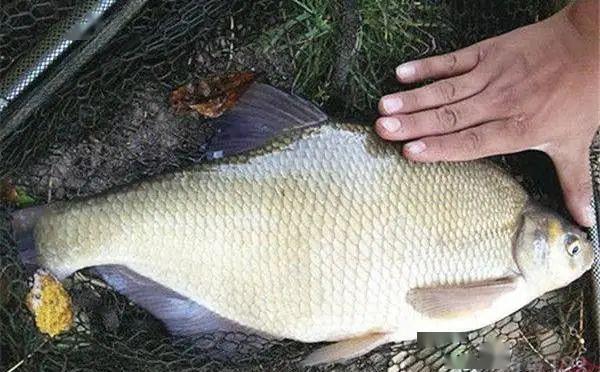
x=576 y=182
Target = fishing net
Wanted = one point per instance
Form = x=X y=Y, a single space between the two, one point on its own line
x=108 y=122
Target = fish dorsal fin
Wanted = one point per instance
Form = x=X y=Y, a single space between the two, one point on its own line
x=262 y=113
x=453 y=301
x=180 y=315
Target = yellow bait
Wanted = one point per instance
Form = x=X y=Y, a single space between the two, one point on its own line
x=50 y=304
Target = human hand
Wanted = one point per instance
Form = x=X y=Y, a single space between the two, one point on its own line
x=534 y=88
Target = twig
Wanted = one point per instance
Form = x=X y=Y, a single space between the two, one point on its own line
x=49 y=199
x=581 y=317
x=231 y=41
x=536 y=351
x=580 y=335
x=574 y=332
x=18 y=365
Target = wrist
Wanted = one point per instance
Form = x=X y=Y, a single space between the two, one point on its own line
x=577 y=32
x=583 y=15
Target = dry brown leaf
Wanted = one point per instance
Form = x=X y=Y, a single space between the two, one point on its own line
x=212 y=96
x=8 y=192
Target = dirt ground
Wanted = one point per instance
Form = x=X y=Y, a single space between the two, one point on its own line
x=147 y=137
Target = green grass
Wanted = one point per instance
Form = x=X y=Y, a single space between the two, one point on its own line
x=344 y=52
x=308 y=35
x=345 y=57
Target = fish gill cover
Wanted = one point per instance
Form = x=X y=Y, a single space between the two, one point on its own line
x=111 y=125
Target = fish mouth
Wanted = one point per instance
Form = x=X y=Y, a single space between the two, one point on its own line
x=592 y=256
x=590 y=266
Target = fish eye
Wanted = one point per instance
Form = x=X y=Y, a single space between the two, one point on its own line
x=573 y=245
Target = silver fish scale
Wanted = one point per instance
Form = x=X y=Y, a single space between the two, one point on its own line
x=316 y=242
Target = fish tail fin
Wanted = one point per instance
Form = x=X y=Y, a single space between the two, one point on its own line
x=26 y=249
x=23 y=222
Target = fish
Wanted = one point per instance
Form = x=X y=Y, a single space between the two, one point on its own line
x=301 y=227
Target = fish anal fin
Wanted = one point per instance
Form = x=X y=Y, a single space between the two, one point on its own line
x=180 y=315
x=452 y=301
x=262 y=113
x=346 y=349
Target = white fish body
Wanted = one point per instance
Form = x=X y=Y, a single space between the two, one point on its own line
x=319 y=239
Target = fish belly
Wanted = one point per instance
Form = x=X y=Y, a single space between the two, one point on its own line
x=317 y=240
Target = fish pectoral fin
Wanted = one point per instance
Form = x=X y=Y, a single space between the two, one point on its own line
x=346 y=349
x=180 y=315
x=452 y=301
x=262 y=113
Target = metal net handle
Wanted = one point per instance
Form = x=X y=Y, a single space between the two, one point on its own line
x=58 y=46
x=595 y=167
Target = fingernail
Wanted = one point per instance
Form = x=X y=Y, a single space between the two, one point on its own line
x=390 y=124
x=416 y=147
x=391 y=105
x=405 y=70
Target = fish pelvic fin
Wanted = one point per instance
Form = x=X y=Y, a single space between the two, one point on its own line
x=346 y=349
x=262 y=114
x=453 y=301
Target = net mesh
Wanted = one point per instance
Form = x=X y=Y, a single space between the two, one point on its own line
x=111 y=125
x=24 y=23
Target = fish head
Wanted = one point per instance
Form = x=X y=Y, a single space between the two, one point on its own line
x=550 y=251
